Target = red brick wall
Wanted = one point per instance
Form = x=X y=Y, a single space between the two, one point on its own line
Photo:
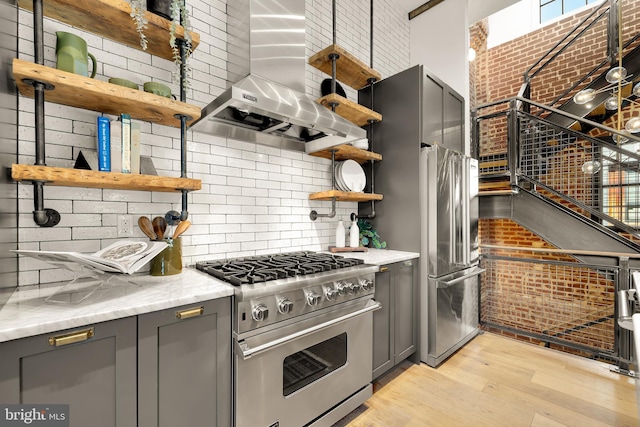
x=502 y=78
x=562 y=301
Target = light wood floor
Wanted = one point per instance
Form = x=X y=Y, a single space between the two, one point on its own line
x=497 y=381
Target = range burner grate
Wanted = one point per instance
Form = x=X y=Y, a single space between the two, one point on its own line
x=248 y=270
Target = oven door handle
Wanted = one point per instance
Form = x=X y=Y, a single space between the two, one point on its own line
x=247 y=352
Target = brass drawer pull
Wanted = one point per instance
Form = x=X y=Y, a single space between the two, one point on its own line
x=192 y=312
x=71 y=338
x=383 y=269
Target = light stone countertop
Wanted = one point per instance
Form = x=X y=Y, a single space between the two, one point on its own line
x=381 y=256
x=24 y=311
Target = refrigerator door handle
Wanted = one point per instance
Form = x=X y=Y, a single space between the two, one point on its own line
x=459 y=218
x=446 y=284
x=466 y=220
x=454 y=209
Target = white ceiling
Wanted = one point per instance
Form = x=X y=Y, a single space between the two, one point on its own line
x=478 y=9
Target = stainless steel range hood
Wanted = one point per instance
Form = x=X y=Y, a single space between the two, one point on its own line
x=265 y=102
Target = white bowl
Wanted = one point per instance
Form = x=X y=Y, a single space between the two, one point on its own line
x=362 y=144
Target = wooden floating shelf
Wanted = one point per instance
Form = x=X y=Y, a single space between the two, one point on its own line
x=91 y=94
x=344 y=196
x=111 y=19
x=349 y=69
x=345 y=152
x=355 y=113
x=67 y=177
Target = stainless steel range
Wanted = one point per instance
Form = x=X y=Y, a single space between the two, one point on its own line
x=303 y=336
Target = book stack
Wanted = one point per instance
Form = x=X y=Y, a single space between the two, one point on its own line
x=120 y=145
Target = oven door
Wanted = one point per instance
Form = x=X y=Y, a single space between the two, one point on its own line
x=289 y=376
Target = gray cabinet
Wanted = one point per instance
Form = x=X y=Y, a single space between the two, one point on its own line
x=443 y=114
x=93 y=369
x=395 y=325
x=176 y=361
x=184 y=366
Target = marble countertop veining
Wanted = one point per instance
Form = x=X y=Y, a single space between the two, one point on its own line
x=26 y=313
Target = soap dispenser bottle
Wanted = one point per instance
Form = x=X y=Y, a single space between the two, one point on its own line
x=340 y=238
x=354 y=233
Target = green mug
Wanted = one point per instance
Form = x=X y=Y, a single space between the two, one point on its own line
x=72 y=55
x=157 y=89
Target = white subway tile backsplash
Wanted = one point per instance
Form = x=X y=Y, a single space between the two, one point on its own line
x=267 y=184
x=254 y=246
x=240 y=237
x=254 y=199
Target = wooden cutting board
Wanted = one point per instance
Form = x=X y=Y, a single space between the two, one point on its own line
x=334 y=250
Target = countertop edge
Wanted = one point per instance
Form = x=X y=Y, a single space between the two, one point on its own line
x=381 y=256
x=27 y=314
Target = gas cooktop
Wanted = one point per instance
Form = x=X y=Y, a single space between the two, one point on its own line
x=256 y=269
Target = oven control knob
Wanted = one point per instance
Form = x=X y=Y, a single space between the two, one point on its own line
x=353 y=288
x=331 y=294
x=285 y=306
x=366 y=284
x=259 y=312
x=313 y=299
x=341 y=287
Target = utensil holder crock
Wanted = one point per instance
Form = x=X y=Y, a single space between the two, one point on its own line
x=169 y=261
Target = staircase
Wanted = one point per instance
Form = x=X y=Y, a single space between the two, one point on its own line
x=563 y=177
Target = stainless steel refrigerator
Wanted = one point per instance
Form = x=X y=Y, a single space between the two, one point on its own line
x=430 y=204
x=449 y=252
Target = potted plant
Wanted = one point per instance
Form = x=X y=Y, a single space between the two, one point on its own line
x=368 y=234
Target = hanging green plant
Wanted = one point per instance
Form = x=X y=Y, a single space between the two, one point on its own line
x=180 y=16
x=368 y=234
x=138 y=9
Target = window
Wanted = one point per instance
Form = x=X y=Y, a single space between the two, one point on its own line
x=551 y=9
x=621 y=185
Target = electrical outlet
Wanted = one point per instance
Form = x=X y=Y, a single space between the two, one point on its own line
x=125 y=226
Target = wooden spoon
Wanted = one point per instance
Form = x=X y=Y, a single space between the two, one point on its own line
x=159 y=226
x=181 y=228
x=147 y=228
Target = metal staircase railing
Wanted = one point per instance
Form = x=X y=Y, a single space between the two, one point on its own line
x=577 y=44
x=593 y=177
x=593 y=22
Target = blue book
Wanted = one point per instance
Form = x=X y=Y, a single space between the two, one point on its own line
x=104 y=144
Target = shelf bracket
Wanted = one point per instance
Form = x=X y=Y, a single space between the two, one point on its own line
x=334 y=58
x=314 y=214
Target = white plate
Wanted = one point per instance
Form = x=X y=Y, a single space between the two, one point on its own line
x=353 y=175
x=340 y=185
